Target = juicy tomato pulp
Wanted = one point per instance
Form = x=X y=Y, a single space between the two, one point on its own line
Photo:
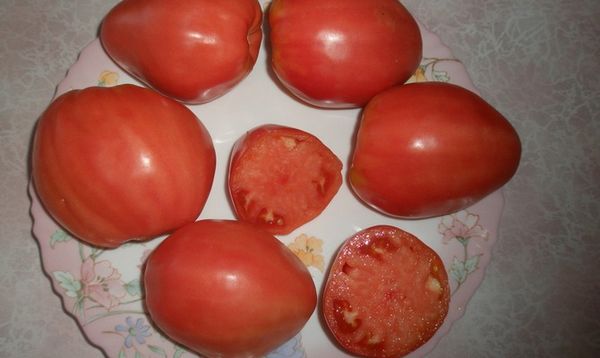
x=387 y=293
x=281 y=178
x=227 y=289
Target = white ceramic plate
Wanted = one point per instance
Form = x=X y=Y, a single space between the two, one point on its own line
x=101 y=288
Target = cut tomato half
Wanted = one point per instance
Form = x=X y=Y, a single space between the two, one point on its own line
x=281 y=178
x=387 y=293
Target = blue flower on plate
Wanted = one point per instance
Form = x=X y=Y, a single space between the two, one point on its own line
x=291 y=349
x=135 y=330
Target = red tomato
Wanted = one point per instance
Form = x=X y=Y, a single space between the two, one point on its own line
x=387 y=293
x=429 y=149
x=191 y=50
x=234 y=290
x=281 y=178
x=121 y=163
x=341 y=53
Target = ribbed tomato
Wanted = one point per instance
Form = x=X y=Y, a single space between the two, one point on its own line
x=227 y=289
x=121 y=163
x=341 y=53
x=429 y=149
x=191 y=50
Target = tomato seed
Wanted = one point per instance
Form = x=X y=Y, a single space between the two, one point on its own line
x=345 y=317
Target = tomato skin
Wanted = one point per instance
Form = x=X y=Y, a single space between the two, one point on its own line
x=386 y=294
x=235 y=290
x=121 y=163
x=192 y=50
x=281 y=177
x=341 y=53
x=430 y=149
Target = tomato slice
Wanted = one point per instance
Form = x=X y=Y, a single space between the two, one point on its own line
x=281 y=178
x=387 y=293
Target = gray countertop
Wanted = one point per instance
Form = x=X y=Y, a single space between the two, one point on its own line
x=536 y=61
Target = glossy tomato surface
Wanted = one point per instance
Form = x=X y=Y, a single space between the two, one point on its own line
x=341 y=53
x=227 y=289
x=387 y=293
x=429 y=149
x=281 y=177
x=191 y=50
x=121 y=163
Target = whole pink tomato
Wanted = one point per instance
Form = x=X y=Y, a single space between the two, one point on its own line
x=191 y=50
x=121 y=163
x=429 y=149
x=227 y=289
x=341 y=53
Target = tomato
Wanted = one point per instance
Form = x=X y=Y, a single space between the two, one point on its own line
x=227 y=289
x=429 y=149
x=121 y=163
x=341 y=53
x=387 y=293
x=281 y=178
x=191 y=50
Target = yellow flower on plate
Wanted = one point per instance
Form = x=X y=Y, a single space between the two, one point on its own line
x=418 y=76
x=108 y=78
x=309 y=250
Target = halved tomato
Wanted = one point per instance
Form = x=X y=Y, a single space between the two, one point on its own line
x=387 y=293
x=280 y=177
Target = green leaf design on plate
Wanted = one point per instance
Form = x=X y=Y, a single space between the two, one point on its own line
x=178 y=352
x=59 y=236
x=133 y=287
x=441 y=76
x=458 y=271
x=158 y=350
x=68 y=283
x=471 y=264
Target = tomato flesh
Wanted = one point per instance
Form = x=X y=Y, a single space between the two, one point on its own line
x=387 y=293
x=282 y=177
